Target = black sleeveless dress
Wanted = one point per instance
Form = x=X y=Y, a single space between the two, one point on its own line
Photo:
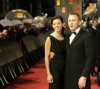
x=57 y=63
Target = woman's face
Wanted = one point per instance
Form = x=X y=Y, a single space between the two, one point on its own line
x=57 y=25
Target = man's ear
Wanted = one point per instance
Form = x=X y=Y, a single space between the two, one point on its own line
x=80 y=22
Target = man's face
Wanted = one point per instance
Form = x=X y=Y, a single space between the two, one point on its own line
x=73 y=22
x=95 y=23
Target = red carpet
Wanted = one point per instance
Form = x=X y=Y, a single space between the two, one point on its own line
x=35 y=78
x=93 y=84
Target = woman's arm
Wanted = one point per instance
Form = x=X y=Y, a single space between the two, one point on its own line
x=47 y=54
x=47 y=60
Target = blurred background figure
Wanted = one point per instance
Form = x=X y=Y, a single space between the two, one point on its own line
x=97 y=46
x=3 y=34
x=94 y=31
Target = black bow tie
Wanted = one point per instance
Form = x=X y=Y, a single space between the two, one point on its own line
x=73 y=33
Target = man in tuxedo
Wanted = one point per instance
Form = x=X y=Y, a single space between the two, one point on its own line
x=97 y=47
x=94 y=31
x=79 y=56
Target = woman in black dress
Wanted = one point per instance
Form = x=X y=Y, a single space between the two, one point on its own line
x=55 y=43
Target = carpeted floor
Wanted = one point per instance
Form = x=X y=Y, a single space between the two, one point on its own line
x=35 y=78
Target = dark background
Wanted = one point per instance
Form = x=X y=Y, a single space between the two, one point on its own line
x=34 y=7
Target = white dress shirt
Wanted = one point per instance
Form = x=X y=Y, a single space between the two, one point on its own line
x=73 y=35
x=94 y=27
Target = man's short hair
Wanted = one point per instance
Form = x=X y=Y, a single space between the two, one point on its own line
x=79 y=17
x=95 y=19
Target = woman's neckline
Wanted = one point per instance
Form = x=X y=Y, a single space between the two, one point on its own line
x=56 y=38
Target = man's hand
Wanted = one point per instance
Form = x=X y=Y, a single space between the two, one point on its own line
x=82 y=82
x=52 y=55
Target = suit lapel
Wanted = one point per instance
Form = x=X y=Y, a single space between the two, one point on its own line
x=67 y=41
x=77 y=36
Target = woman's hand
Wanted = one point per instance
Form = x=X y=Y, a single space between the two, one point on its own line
x=50 y=78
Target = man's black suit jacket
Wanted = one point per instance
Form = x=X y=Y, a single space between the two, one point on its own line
x=79 y=59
